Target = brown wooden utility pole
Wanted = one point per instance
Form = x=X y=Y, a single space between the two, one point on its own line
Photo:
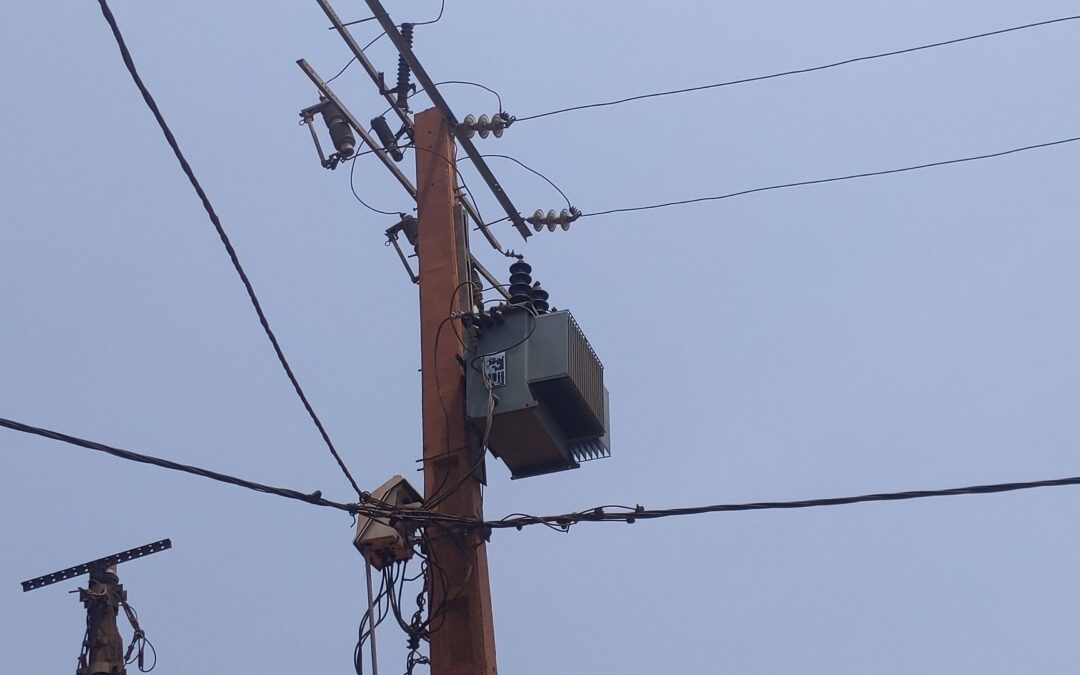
x=462 y=640
x=104 y=647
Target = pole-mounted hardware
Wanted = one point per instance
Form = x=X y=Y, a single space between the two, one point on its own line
x=388 y=138
x=404 y=75
x=340 y=132
x=424 y=80
x=539 y=219
x=406 y=226
x=108 y=561
x=102 y=649
x=486 y=126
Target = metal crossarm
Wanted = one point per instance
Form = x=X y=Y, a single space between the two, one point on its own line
x=109 y=561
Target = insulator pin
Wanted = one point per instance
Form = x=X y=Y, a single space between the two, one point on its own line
x=539 y=220
x=486 y=126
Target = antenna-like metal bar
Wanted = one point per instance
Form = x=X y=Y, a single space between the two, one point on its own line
x=109 y=561
x=459 y=131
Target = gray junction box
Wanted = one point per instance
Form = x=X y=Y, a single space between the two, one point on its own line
x=537 y=382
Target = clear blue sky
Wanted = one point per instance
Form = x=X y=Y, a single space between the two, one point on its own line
x=912 y=331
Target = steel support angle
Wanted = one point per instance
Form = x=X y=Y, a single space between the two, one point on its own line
x=459 y=132
x=381 y=153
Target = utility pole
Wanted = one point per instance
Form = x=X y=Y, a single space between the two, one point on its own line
x=104 y=648
x=462 y=636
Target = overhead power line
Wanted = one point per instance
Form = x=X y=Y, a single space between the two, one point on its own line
x=833 y=179
x=562 y=522
x=626 y=514
x=313 y=498
x=798 y=71
x=367 y=505
x=171 y=139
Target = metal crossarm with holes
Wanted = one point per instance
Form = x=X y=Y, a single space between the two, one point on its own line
x=109 y=561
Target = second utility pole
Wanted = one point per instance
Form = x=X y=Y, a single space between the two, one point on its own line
x=104 y=649
x=462 y=635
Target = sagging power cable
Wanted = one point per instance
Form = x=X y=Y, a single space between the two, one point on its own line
x=189 y=172
x=834 y=179
x=561 y=522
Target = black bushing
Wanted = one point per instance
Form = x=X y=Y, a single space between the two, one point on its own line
x=521 y=278
x=520 y=294
x=540 y=299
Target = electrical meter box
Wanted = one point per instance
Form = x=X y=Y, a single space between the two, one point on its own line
x=380 y=542
x=535 y=391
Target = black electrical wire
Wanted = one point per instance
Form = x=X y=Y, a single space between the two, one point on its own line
x=313 y=498
x=136 y=651
x=467 y=83
x=626 y=515
x=130 y=63
x=439 y=84
x=352 y=23
x=368 y=506
x=834 y=179
x=343 y=69
x=534 y=171
x=465 y=188
x=366 y=628
x=561 y=522
x=353 y=59
x=442 y=8
x=799 y=71
x=352 y=186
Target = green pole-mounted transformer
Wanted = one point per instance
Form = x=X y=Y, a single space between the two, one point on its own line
x=534 y=385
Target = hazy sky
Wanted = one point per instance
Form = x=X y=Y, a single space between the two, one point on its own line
x=904 y=332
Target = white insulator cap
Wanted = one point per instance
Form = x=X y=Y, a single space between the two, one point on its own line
x=538 y=220
x=552 y=220
x=470 y=126
x=564 y=219
x=497 y=125
x=484 y=126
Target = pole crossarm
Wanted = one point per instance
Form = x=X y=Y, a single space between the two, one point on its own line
x=379 y=150
x=404 y=116
x=363 y=60
x=389 y=163
x=108 y=561
x=459 y=132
